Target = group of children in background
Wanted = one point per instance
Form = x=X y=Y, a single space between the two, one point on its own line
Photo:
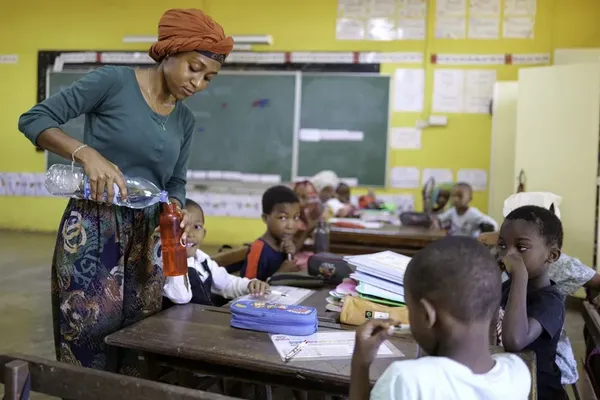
x=455 y=289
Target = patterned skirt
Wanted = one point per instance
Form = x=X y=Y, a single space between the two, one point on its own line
x=104 y=277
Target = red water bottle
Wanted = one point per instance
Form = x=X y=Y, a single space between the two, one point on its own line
x=173 y=251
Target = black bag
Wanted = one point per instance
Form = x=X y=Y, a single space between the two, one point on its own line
x=294 y=279
x=332 y=267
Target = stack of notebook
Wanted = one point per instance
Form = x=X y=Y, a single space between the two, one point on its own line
x=336 y=297
x=380 y=276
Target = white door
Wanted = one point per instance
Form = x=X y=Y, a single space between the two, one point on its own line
x=558 y=116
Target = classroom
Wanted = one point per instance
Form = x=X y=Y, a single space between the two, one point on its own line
x=306 y=155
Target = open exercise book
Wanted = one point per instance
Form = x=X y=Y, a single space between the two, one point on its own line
x=381 y=275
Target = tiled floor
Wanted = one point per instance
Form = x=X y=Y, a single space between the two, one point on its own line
x=25 y=315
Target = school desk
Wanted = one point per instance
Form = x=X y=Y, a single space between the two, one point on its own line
x=199 y=339
x=405 y=240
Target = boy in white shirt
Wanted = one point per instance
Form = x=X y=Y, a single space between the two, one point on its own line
x=452 y=290
x=205 y=278
x=462 y=219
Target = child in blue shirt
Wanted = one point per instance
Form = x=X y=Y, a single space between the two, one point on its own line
x=274 y=251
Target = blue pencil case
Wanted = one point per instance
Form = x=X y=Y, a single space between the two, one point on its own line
x=274 y=318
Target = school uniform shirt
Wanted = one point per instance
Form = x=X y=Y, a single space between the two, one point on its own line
x=202 y=270
x=443 y=378
x=262 y=261
x=466 y=224
x=546 y=306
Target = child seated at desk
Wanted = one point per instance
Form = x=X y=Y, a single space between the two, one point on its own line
x=533 y=311
x=274 y=251
x=205 y=278
x=452 y=290
x=326 y=183
x=462 y=219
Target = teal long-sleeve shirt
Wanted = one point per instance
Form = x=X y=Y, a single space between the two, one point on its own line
x=121 y=126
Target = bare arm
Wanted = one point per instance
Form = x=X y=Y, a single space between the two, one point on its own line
x=518 y=330
x=360 y=387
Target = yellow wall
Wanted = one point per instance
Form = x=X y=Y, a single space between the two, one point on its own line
x=27 y=26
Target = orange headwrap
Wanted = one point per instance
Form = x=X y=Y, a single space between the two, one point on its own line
x=181 y=30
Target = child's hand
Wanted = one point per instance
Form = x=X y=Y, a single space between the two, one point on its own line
x=369 y=337
x=258 y=288
x=514 y=265
x=288 y=266
x=288 y=246
x=435 y=223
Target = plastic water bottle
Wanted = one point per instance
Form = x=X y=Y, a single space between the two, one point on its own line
x=67 y=181
x=322 y=237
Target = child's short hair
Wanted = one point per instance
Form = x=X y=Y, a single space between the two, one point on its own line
x=189 y=203
x=277 y=195
x=458 y=274
x=466 y=186
x=549 y=225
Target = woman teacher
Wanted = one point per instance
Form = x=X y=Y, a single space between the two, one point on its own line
x=103 y=272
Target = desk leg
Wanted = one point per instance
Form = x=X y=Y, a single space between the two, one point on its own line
x=263 y=392
x=149 y=368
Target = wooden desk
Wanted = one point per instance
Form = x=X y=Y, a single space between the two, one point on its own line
x=199 y=338
x=405 y=240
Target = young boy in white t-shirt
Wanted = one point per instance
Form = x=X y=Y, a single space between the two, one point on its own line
x=452 y=290
x=462 y=219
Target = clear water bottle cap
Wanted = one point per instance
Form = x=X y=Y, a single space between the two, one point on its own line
x=164 y=196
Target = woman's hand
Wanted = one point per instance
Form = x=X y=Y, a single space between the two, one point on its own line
x=102 y=176
x=185 y=224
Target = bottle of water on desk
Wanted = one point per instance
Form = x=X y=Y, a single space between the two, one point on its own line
x=322 y=237
x=69 y=181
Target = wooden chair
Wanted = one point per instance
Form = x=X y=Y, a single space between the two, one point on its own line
x=232 y=259
x=24 y=373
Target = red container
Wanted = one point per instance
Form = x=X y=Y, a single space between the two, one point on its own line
x=173 y=252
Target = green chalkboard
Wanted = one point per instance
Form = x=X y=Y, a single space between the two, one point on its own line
x=353 y=102
x=245 y=123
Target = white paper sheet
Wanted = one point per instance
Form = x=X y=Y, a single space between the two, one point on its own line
x=412 y=8
x=327 y=345
x=382 y=8
x=309 y=135
x=520 y=7
x=404 y=177
x=450 y=27
x=518 y=28
x=405 y=138
x=479 y=90
x=451 y=7
x=448 y=88
x=349 y=29
x=409 y=89
x=352 y=8
x=477 y=178
x=484 y=28
x=440 y=175
x=411 y=29
x=484 y=7
x=380 y=29
x=294 y=295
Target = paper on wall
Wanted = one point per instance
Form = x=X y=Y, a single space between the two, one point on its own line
x=440 y=175
x=448 y=85
x=520 y=7
x=309 y=135
x=352 y=8
x=484 y=28
x=411 y=29
x=484 y=7
x=349 y=29
x=380 y=29
x=451 y=7
x=477 y=178
x=405 y=138
x=381 y=8
x=479 y=90
x=317 y=135
x=450 y=28
x=409 y=89
x=404 y=177
x=518 y=27
x=413 y=9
